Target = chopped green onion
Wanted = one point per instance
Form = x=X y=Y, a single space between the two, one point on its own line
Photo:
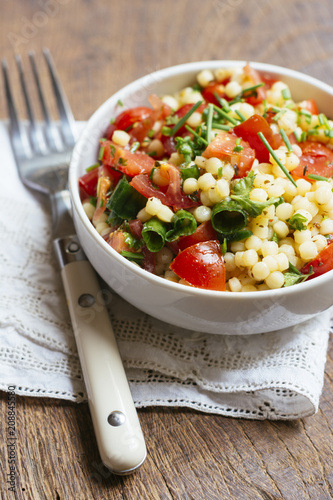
x=92 y=167
x=224 y=246
x=271 y=151
x=134 y=146
x=153 y=234
x=225 y=115
x=120 y=102
x=317 y=177
x=286 y=140
x=286 y=94
x=220 y=172
x=132 y=255
x=239 y=235
x=209 y=122
x=238 y=148
x=307 y=114
x=227 y=217
x=184 y=119
x=184 y=224
x=101 y=153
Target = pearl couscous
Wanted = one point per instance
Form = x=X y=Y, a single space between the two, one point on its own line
x=224 y=185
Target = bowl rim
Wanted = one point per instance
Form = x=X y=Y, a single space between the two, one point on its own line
x=157 y=76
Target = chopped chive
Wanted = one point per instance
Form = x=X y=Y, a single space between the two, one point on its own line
x=251 y=89
x=220 y=172
x=190 y=129
x=286 y=140
x=120 y=102
x=223 y=103
x=112 y=120
x=184 y=119
x=279 y=114
x=102 y=139
x=241 y=116
x=209 y=122
x=225 y=115
x=329 y=133
x=272 y=152
x=317 y=177
x=220 y=126
x=92 y=167
x=286 y=94
x=307 y=114
x=134 y=147
x=101 y=153
x=324 y=121
x=152 y=153
x=313 y=131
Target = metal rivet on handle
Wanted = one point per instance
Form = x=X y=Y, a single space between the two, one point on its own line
x=73 y=247
x=86 y=300
x=116 y=418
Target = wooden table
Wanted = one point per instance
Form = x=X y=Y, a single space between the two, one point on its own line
x=98 y=47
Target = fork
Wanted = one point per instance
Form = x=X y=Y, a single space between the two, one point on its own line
x=42 y=152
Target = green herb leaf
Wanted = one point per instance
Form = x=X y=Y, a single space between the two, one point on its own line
x=294 y=276
x=297 y=222
x=241 y=195
x=125 y=201
x=191 y=171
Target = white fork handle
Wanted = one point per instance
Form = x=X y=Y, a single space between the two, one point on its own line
x=118 y=432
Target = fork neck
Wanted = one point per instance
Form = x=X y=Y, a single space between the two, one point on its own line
x=61 y=214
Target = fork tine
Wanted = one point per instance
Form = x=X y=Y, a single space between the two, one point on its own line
x=68 y=123
x=51 y=131
x=19 y=138
x=37 y=139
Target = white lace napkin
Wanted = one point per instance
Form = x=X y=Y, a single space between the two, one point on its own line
x=277 y=375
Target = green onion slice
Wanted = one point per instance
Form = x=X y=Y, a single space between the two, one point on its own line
x=153 y=234
x=184 y=224
x=227 y=217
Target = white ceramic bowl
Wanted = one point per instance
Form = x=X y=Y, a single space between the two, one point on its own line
x=187 y=307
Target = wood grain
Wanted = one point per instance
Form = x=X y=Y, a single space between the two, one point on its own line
x=98 y=47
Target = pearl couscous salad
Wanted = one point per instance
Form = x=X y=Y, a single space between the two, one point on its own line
x=224 y=185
